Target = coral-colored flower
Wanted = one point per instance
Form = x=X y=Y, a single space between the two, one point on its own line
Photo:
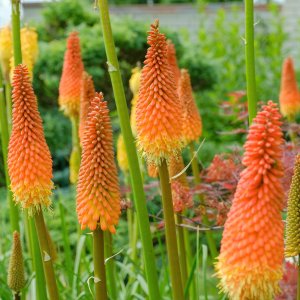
x=292 y=244
x=98 y=194
x=289 y=96
x=252 y=250
x=70 y=83
x=87 y=94
x=5 y=49
x=158 y=112
x=171 y=54
x=29 y=159
x=122 y=155
x=192 y=124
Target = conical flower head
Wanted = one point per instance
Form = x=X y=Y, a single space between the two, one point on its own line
x=289 y=96
x=29 y=42
x=16 y=274
x=252 y=250
x=134 y=81
x=29 y=159
x=70 y=82
x=98 y=194
x=87 y=94
x=292 y=244
x=158 y=112
x=171 y=53
x=122 y=155
x=5 y=49
x=192 y=124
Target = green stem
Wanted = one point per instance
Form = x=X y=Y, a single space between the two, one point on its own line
x=135 y=234
x=135 y=173
x=209 y=236
x=250 y=60
x=110 y=265
x=8 y=105
x=17 y=296
x=99 y=267
x=298 y=282
x=76 y=151
x=172 y=249
x=45 y=253
x=15 y=17
x=13 y=209
x=181 y=246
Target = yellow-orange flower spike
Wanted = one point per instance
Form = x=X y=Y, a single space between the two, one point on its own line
x=192 y=124
x=122 y=155
x=29 y=42
x=173 y=61
x=29 y=159
x=292 y=243
x=98 y=194
x=158 y=111
x=87 y=94
x=5 y=49
x=252 y=249
x=70 y=83
x=133 y=114
x=134 y=81
x=289 y=97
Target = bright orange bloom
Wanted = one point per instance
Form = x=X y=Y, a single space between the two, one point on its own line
x=252 y=249
x=192 y=124
x=158 y=112
x=87 y=94
x=98 y=194
x=29 y=159
x=289 y=96
x=171 y=54
x=70 y=83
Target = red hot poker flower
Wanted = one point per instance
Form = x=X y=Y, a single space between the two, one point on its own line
x=98 y=194
x=171 y=53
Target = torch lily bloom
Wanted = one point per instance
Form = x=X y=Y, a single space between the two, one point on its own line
x=29 y=159
x=5 y=50
x=192 y=124
x=122 y=155
x=70 y=83
x=158 y=111
x=289 y=96
x=292 y=244
x=98 y=194
x=252 y=249
x=171 y=54
x=134 y=84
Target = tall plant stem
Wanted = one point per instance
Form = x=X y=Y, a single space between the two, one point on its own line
x=182 y=250
x=99 y=267
x=172 y=249
x=250 y=60
x=134 y=169
x=8 y=105
x=196 y=173
x=13 y=210
x=15 y=17
x=76 y=151
x=110 y=265
x=46 y=255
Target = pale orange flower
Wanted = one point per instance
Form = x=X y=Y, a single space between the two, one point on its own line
x=289 y=96
x=171 y=54
x=158 y=111
x=29 y=159
x=192 y=124
x=98 y=194
x=252 y=248
x=70 y=83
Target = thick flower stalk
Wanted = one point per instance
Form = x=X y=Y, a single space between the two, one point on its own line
x=292 y=243
x=87 y=94
x=192 y=124
x=171 y=54
x=121 y=155
x=289 y=96
x=252 y=250
x=158 y=111
x=70 y=83
x=29 y=159
x=5 y=50
x=98 y=194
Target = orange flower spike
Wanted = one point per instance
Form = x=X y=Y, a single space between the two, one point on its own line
x=87 y=94
x=70 y=83
x=252 y=248
x=171 y=53
x=29 y=159
x=158 y=111
x=98 y=194
x=289 y=96
x=192 y=124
